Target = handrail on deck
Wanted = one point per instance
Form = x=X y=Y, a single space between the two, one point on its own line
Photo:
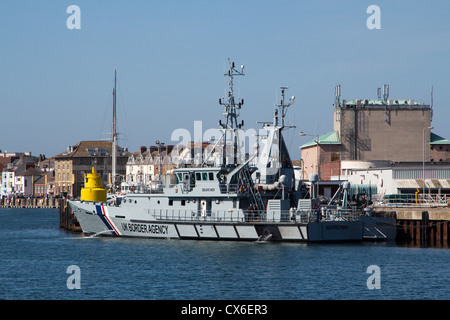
x=239 y=215
x=422 y=200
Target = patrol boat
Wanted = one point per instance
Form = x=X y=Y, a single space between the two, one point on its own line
x=240 y=198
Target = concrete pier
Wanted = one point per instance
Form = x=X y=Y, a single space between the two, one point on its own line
x=425 y=226
x=67 y=219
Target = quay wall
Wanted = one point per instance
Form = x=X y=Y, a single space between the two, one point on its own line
x=429 y=226
x=30 y=203
x=67 y=219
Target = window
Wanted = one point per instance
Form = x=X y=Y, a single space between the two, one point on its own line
x=183 y=202
x=211 y=176
x=205 y=176
x=170 y=202
x=198 y=176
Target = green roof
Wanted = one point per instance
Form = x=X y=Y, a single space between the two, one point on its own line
x=327 y=138
x=435 y=139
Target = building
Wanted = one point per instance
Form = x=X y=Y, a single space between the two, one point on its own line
x=325 y=150
x=374 y=135
x=383 y=130
x=44 y=187
x=72 y=165
x=148 y=166
x=440 y=149
x=14 y=165
x=28 y=178
x=140 y=168
x=8 y=183
x=381 y=178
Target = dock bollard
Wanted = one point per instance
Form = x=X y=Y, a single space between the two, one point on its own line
x=424 y=234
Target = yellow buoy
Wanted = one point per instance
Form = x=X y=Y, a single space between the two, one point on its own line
x=93 y=189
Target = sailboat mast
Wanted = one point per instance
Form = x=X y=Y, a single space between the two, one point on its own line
x=114 y=134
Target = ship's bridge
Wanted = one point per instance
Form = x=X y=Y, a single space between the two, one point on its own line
x=209 y=180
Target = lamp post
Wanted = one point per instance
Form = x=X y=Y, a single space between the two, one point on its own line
x=160 y=159
x=316 y=140
x=423 y=158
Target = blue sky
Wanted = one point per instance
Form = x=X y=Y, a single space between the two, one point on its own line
x=56 y=84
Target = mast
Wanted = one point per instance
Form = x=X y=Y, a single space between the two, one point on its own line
x=114 y=135
x=231 y=114
x=281 y=112
x=284 y=160
x=282 y=108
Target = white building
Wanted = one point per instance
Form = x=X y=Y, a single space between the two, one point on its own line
x=8 y=183
x=140 y=169
x=386 y=178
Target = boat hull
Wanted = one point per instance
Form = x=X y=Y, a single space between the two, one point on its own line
x=379 y=228
x=109 y=221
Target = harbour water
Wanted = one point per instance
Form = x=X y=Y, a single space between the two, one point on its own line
x=35 y=255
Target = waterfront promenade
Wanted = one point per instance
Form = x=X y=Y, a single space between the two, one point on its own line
x=28 y=202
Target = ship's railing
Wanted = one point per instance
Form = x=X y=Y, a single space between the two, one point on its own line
x=193 y=215
x=158 y=189
x=421 y=200
x=327 y=214
x=231 y=215
x=238 y=215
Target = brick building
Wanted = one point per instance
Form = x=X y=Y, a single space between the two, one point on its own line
x=72 y=165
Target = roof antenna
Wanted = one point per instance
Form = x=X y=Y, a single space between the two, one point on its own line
x=337 y=95
x=431 y=106
x=385 y=98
